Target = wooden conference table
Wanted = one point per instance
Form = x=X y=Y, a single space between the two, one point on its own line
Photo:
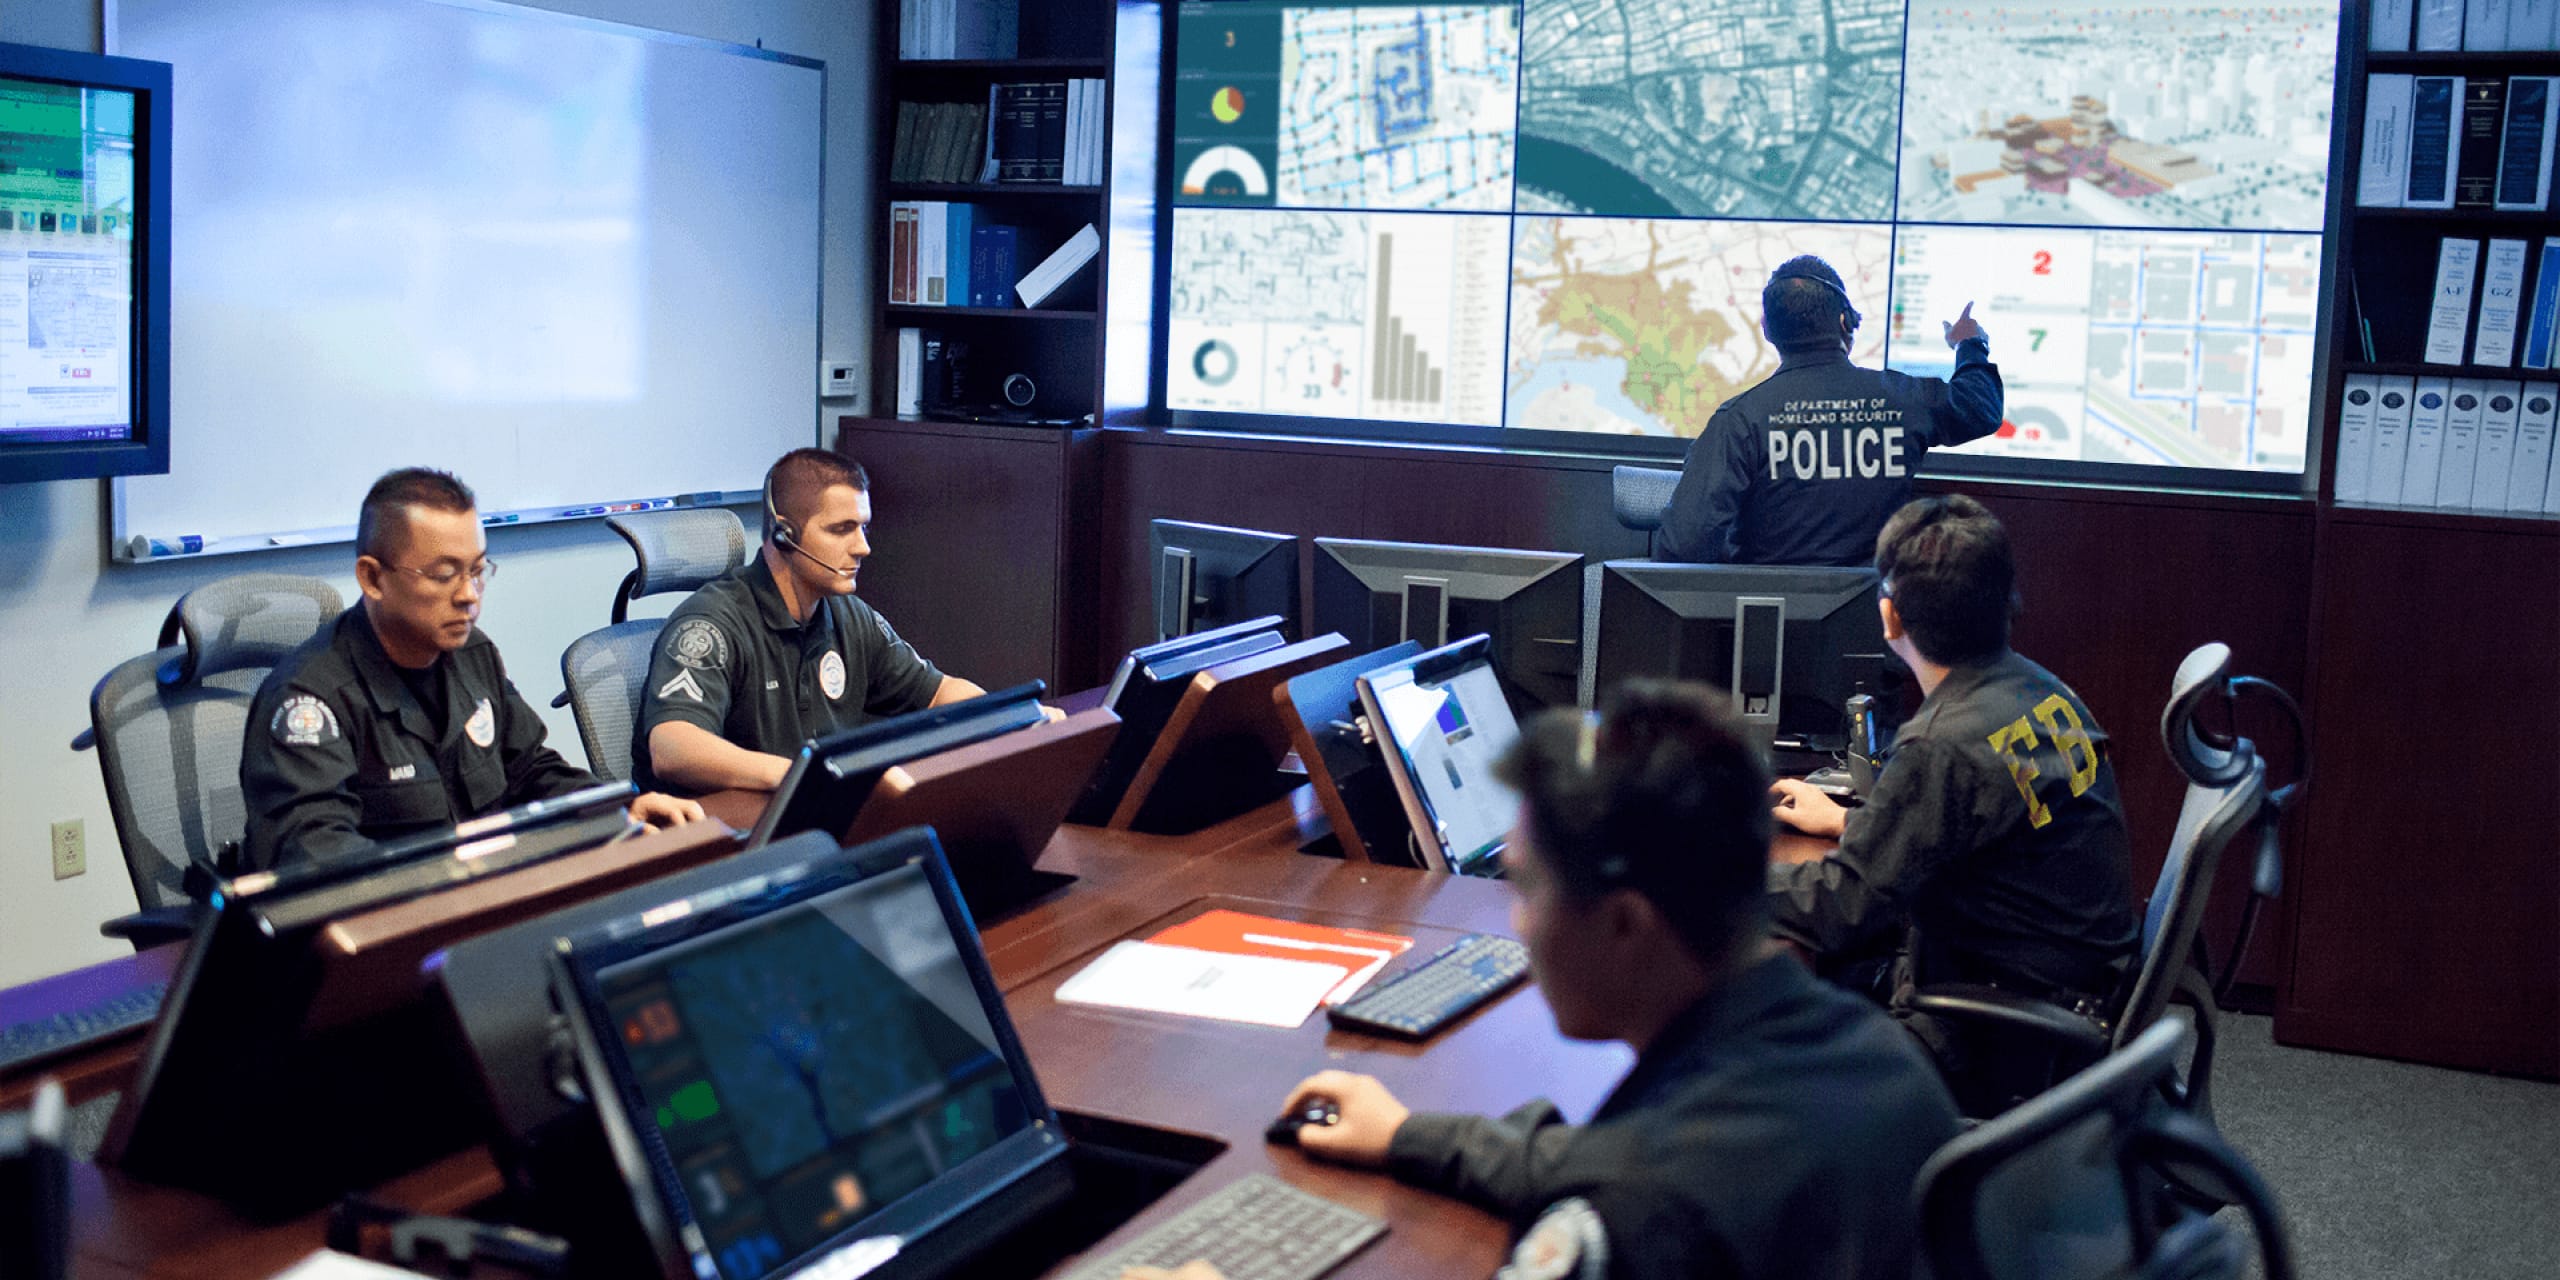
x=1218 y=1080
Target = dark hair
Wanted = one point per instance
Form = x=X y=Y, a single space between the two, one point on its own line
x=1947 y=567
x=799 y=477
x=1796 y=309
x=384 y=519
x=1658 y=792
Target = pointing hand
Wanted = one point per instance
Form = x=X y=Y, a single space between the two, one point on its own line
x=1965 y=327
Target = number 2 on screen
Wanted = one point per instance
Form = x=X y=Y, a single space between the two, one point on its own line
x=2044 y=263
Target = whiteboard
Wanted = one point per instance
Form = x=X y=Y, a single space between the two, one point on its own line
x=573 y=262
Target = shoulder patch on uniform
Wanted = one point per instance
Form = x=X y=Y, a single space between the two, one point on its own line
x=303 y=720
x=684 y=684
x=1567 y=1242
x=698 y=643
x=482 y=727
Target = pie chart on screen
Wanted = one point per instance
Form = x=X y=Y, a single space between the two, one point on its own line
x=1228 y=105
x=1227 y=172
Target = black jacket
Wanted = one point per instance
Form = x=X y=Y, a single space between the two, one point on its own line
x=1774 y=1129
x=1996 y=829
x=1806 y=467
x=339 y=754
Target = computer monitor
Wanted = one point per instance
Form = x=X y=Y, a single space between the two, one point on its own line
x=1220 y=752
x=830 y=777
x=1209 y=576
x=1144 y=692
x=1441 y=721
x=1323 y=718
x=296 y=1055
x=812 y=1067
x=1528 y=602
x=84 y=260
x=994 y=805
x=1810 y=636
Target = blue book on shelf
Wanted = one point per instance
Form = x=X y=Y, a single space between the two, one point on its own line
x=958 y=244
x=992 y=251
x=2546 y=308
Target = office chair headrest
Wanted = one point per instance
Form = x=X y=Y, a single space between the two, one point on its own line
x=2208 y=760
x=250 y=620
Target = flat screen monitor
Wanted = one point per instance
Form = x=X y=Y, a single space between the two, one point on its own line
x=1810 y=637
x=84 y=265
x=812 y=1067
x=831 y=776
x=1528 y=602
x=1144 y=692
x=1441 y=721
x=1209 y=576
x=292 y=1015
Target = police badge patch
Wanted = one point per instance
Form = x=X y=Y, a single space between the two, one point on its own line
x=304 y=721
x=1567 y=1242
x=482 y=727
x=831 y=675
x=699 y=643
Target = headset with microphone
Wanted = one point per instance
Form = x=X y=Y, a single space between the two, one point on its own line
x=786 y=534
x=1848 y=309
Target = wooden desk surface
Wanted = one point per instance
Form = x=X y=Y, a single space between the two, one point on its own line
x=1220 y=1080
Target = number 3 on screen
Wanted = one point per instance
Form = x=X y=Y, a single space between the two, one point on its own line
x=2044 y=263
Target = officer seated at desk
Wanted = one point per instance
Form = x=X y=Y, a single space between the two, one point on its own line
x=398 y=717
x=1995 y=830
x=780 y=650
x=1773 y=1124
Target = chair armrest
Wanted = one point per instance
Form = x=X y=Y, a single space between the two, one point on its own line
x=148 y=929
x=1966 y=1002
x=560 y=699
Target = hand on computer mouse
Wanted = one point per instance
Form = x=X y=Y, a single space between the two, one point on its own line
x=1806 y=809
x=1366 y=1118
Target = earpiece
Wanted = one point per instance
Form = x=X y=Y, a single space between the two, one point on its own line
x=783 y=534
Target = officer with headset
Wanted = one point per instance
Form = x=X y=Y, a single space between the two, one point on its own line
x=780 y=650
x=1806 y=467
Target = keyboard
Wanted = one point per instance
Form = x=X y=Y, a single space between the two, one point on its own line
x=1257 y=1228
x=1427 y=997
x=26 y=1043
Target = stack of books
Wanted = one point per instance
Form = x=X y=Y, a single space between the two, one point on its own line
x=944 y=29
x=2460 y=444
x=939 y=142
x=2456 y=142
x=945 y=254
x=1049 y=131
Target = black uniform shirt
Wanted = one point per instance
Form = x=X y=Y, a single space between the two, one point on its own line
x=1997 y=829
x=1774 y=1129
x=1806 y=467
x=732 y=660
x=339 y=754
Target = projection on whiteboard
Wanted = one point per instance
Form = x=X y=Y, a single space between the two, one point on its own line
x=1557 y=215
x=66 y=262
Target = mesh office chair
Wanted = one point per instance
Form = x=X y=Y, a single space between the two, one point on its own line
x=1640 y=497
x=2227 y=795
x=167 y=727
x=605 y=668
x=2073 y=1184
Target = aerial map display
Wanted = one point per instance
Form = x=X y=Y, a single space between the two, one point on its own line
x=1557 y=215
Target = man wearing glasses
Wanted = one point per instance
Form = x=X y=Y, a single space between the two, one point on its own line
x=399 y=717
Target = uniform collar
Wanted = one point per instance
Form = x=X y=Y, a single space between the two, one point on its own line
x=1962 y=679
x=389 y=693
x=1810 y=356
x=770 y=605
x=1723 y=1016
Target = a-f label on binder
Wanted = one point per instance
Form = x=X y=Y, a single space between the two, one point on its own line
x=2450 y=320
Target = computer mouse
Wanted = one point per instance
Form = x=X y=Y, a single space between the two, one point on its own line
x=1315 y=1108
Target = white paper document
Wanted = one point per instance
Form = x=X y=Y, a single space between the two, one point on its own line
x=1204 y=984
x=327 y=1264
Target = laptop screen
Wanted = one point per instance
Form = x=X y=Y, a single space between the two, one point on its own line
x=802 y=1063
x=1447 y=730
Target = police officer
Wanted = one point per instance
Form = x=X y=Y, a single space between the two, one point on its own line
x=780 y=650
x=1804 y=468
x=398 y=717
x=1773 y=1124
x=1995 y=828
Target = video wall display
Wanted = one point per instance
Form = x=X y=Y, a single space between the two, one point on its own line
x=1557 y=215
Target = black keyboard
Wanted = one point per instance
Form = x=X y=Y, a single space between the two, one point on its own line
x=1257 y=1228
x=1427 y=997
x=27 y=1043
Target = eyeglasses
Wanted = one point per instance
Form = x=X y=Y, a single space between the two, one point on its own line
x=446 y=573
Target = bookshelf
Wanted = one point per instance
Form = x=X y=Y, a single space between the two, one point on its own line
x=2387 y=263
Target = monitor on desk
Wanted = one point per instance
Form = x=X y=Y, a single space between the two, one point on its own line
x=298 y=1006
x=811 y=1065
x=1528 y=602
x=1144 y=692
x=831 y=777
x=1809 y=636
x=1209 y=576
x=1441 y=721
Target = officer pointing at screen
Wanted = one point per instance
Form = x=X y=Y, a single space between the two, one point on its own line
x=1806 y=467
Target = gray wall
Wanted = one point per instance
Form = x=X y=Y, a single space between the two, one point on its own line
x=66 y=614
